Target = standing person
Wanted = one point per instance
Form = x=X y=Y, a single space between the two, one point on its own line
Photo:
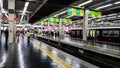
x=6 y=34
x=22 y=32
x=28 y=35
x=17 y=33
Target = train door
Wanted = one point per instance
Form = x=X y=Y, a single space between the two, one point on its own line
x=97 y=34
x=92 y=34
x=78 y=33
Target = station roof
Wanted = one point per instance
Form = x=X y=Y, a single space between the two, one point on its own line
x=39 y=9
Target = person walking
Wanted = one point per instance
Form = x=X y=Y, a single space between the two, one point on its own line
x=28 y=35
x=6 y=34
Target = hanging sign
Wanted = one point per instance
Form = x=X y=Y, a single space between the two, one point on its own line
x=66 y=20
x=76 y=12
x=80 y=12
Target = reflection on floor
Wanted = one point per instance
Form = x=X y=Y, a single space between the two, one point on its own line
x=25 y=55
x=3 y=52
x=75 y=62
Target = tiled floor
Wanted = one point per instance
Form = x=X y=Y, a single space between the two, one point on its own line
x=24 y=54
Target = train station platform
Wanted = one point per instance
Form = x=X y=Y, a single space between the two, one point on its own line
x=108 y=55
x=109 y=48
x=36 y=54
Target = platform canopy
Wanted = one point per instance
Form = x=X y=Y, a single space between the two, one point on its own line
x=40 y=9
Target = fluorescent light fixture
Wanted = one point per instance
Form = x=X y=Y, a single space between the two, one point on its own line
x=24 y=10
x=85 y=3
x=76 y=6
x=45 y=19
x=104 y=6
x=3 y=11
x=69 y=16
x=117 y=2
x=112 y=14
x=60 y=13
x=26 y=4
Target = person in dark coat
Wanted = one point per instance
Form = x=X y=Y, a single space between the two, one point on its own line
x=6 y=34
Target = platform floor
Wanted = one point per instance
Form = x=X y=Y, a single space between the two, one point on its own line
x=112 y=49
x=35 y=54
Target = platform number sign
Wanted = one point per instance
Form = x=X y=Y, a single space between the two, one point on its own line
x=11 y=11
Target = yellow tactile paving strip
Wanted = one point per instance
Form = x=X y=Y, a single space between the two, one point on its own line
x=54 y=57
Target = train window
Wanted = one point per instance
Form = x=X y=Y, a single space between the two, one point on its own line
x=78 y=32
x=105 y=33
x=73 y=32
x=93 y=33
x=116 y=33
x=97 y=33
x=111 y=33
x=88 y=33
x=81 y=32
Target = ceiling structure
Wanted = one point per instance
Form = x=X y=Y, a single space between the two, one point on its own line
x=39 y=9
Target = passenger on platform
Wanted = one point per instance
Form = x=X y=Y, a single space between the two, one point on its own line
x=28 y=35
x=23 y=32
x=6 y=34
x=17 y=33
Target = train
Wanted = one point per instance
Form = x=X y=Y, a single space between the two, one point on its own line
x=109 y=35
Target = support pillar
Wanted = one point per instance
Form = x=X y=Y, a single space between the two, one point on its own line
x=12 y=48
x=1 y=5
x=60 y=28
x=74 y=25
x=11 y=6
x=85 y=25
x=0 y=22
x=15 y=29
x=48 y=28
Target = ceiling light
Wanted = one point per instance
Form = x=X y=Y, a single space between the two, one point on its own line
x=45 y=19
x=26 y=4
x=69 y=16
x=3 y=11
x=77 y=6
x=85 y=3
x=104 y=6
x=117 y=2
x=60 y=13
x=24 y=10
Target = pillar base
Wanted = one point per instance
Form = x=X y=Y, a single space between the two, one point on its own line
x=84 y=41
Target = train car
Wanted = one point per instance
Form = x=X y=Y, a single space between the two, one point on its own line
x=76 y=33
x=99 y=34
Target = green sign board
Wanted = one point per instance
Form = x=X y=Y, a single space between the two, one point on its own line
x=66 y=20
x=53 y=23
x=80 y=12
x=43 y=23
x=76 y=12
x=53 y=19
x=95 y=14
x=11 y=11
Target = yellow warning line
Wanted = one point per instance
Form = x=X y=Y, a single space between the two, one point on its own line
x=54 y=57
